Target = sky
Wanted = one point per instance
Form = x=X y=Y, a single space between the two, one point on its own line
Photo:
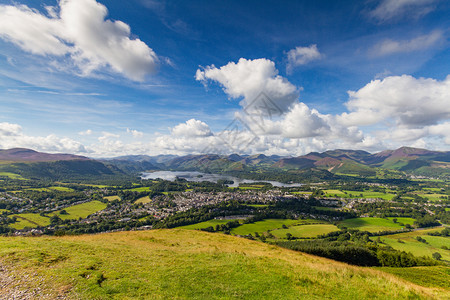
x=109 y=78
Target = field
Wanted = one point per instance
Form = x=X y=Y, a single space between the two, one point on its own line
x=408 y=243
x=263 y=226
x=61 y=188
x=305 y=231
x=438 y=276
x=139 y=189
x=434 y=197
x=30 y=220
x=145 y=199
x=205 y=224
x=112 y=198
x=82 y=210
x=375 y=224
x=11 y=175
x=186 y=264
x=357 y=194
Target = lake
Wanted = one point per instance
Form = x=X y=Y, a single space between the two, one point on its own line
x=199 y=177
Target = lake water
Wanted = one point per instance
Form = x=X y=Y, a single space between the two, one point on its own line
x=199 y=177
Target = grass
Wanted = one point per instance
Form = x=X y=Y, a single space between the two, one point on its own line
x=30 y=220
x=139 y=189
x=185 y=264
x=82 y=210
x=408 y=243
x=205 y=224
x=263 y=226
x=11 y=175
x=305 y=231
x=374 y=224
x=61 y=189
x=145 y=199
x=112 y=198
x=437 y=276
x=357 y=194
x=434 y=197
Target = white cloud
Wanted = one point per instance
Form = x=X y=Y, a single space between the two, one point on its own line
x=388 y=10
x=77 y=28
x=135 y=133
x=406 y=100
x=86 y=132
x=422 y=42
x=192 y=128
x=248 y=78
x=11 y=136
x=301 y=56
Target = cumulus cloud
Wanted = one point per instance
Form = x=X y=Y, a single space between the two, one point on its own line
x=135 y=133
x=301 y=56
x=248 y=78
x=192 y=128
x=407 y=100
x=388 y=10
x=12 y=136
x=422 y=42
x=78 y=29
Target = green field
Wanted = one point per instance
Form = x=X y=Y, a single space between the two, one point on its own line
x=263 y=226
x=357 y=194
x=375 y=224
x=61 y=189
x=112 y=198
x=11 y=175
x=434 y=197
x=187 y=264
x=30 y=220
x=437 y=276
x=305 y=231
x=145 y=199
x=140 y=189
x=205 y=224
x=408 y=243
x=82 y=210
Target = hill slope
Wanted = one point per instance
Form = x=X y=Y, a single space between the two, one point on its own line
x=182 y=264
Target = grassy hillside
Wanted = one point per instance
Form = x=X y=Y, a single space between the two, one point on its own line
x=181 y=264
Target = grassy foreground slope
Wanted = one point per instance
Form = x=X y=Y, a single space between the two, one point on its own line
x=180 y=264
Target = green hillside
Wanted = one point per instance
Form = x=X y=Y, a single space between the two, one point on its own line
x=186 y=264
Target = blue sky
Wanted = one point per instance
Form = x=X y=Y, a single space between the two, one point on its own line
x=108 y=78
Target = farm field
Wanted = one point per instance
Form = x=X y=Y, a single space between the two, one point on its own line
x=205 y=224
x=145 y=199
x=373 y=224
x=305 y=231
x=112 y=198
x=82 y=210
x=30 y=220
x=185 y=264
x=263 y=226
x=139 y=189
x=407 y=242
x=435 y=197
x=357 y=194
x=11 y=175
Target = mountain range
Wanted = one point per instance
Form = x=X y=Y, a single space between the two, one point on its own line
x=339 y=162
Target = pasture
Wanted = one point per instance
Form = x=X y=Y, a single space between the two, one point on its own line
x=407 y=242
x=30 y=220
x=263 y=226
x=186 y=264
x=205 y=224
x=81 y=210
x=305 y=231
x=374 y=224
x=144 y=200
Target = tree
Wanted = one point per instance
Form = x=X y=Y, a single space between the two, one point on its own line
x=394 y=220
x=437 y=256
